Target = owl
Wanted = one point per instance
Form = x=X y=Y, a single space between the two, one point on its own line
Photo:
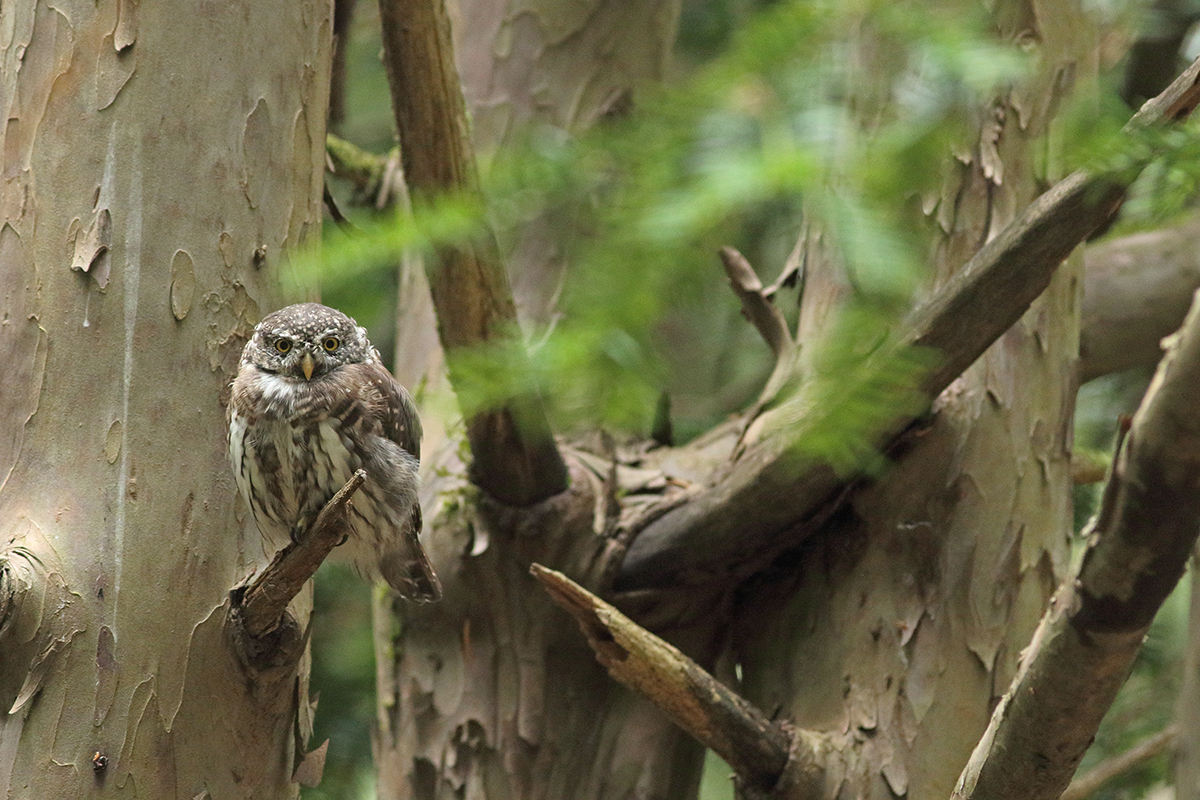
x=312 y=403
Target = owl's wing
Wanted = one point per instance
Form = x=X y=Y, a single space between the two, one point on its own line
x=391 y=404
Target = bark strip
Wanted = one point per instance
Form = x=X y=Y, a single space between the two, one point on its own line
x=1084 y=647
x=261 y=606
x=740 y=522
x=756 y=747
x=515 y=459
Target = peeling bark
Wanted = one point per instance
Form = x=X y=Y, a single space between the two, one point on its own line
x=899 y=619
x=147 y=200
x=970 y=310
x=563 y=66
x=1138 y=546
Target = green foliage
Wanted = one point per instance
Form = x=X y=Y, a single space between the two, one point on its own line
x=863 y=379
x=641 y=204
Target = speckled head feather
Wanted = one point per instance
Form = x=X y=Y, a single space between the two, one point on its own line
x=327 y=335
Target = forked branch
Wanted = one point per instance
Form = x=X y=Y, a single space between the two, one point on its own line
x=741 y=520
x=757 y=307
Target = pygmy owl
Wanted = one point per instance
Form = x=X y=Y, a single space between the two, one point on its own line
x=311 y=404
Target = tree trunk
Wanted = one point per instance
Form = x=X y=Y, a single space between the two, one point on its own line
x=565 y=66
x=892 y=631
x=490 y=692
x=901 y=623
x=158 y=162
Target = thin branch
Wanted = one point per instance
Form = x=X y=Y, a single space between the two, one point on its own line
x=766 y=318
x=261 y=605
x=1084 y=647
x=730 y=528
x=1090 y=782
x=515 y=459
x=766 y=755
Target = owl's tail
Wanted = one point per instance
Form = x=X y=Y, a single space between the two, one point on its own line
x=406 y=568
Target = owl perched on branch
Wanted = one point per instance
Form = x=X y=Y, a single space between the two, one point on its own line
x=312 y=403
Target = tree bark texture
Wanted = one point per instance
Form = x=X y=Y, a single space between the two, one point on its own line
x=900 y=623
x=492 y=692
x=565 y=66
x=158 y=162
x=514 y=458
x=1137 y=289
x=1138 y=544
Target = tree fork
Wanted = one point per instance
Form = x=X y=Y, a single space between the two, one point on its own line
x=515 y=459
x=737 y=523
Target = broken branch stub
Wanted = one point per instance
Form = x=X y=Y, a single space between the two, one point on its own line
x=261 y=606
x=757 y=748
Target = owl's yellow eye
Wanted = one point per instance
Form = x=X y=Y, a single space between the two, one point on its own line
x=283 y=345
x=331 y=343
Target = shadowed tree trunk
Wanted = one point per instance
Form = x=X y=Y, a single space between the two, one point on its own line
x=148 y=199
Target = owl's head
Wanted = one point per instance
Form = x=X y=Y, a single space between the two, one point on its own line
x=306 y=341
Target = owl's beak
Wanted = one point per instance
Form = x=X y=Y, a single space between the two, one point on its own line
x=307 y=364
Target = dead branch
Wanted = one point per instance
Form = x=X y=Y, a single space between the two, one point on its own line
x=1084 y=647
x=1090 y=782
x=515 y=459
x=739 y=522
x=766 y=318
x=261 y=606
x=757 y=748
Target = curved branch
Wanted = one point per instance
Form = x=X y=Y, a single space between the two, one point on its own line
x=1084 y=647
x=515 y=459
x=728 y=529
x=1090 y=782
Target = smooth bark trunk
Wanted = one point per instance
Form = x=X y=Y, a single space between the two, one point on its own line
x=158 y=162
